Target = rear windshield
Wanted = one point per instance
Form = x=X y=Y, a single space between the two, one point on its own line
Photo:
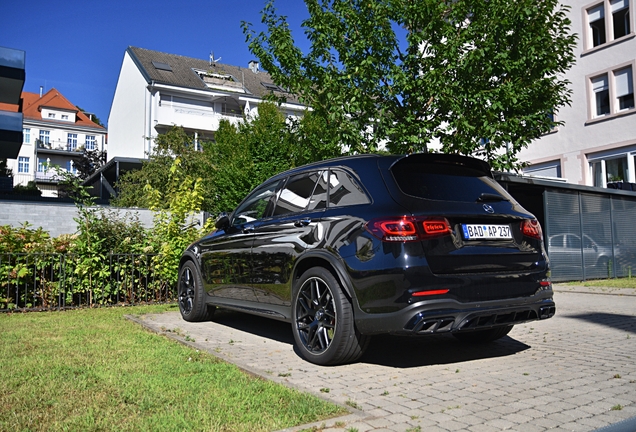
x=445 y=182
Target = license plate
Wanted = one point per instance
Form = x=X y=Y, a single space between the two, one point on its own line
x=486 y=232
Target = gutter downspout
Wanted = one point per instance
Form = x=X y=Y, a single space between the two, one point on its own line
x=149 y=127
x=148 y=144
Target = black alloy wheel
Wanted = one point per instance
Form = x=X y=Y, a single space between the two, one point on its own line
x=324 y=328
x=192 y=296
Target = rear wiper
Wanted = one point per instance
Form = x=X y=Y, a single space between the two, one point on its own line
x=484 y=197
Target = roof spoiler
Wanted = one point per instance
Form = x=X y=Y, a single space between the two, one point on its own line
x=447 y=159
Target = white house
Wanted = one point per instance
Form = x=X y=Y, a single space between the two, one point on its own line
x=156 y=91
x=597 y=144
x=54 y=132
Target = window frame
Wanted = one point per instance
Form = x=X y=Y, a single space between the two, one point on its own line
x=24 y=165
x=71 y=141
x=601 y=159
x=43 y=165
x=92 y=140
x=71 y=167
x=613 y=99
x=588 y=44
x=542 y=167
x=45 y=136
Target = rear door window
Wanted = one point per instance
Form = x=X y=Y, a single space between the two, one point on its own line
x=296 y=195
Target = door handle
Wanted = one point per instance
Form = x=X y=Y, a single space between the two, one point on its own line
x=248 y=229
x=302 y=222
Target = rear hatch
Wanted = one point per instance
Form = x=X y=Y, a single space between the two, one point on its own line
x=488 y=231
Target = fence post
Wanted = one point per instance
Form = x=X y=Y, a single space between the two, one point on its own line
x=581 y=234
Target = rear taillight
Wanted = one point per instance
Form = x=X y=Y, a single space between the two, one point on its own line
x=531 y=228
x=408 y=228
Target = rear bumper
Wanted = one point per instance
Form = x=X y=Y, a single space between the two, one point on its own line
x=450 y=316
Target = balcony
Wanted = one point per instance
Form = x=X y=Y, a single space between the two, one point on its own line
x=11 y=84
x=47 y=177
x=10 y=134
x=194 y=117
x=58 y=147
x=12 y=75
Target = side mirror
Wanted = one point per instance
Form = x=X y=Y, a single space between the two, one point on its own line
x=222 y=221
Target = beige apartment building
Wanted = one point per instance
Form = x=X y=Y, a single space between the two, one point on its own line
x=597 y=143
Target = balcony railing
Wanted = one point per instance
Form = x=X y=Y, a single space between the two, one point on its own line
x=59 y=145
x=22 y=178
x=50 y=176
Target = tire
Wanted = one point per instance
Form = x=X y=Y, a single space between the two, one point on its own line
x=323 y=322
x=603 y=267
x=192 y=303
x=483 y=336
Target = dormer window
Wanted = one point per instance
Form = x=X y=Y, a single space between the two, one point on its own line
x=51 y=115
x=271 y=86
x=162 y=66
x=220 y=80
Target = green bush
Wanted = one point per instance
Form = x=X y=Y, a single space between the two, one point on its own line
x=29 y=189
x=111 y=257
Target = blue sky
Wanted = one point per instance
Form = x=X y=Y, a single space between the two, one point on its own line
x=78 y=46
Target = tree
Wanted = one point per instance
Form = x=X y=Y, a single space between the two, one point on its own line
x=175 y=209
x=245 y=155
x=155 y=172
x=89 y=162
x=241 y=157
x=92 y=117
x=479 y=77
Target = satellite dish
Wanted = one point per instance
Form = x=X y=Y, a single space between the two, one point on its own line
x=212 y=59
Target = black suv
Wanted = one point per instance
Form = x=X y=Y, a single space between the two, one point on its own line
x=356 y=246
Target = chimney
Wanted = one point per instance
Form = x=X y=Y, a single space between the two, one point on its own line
x=253 y=65
x=41 y=90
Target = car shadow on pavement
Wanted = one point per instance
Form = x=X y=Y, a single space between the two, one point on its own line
x=384 y=350
x=415 y=351
x=260 y=326
x=617 y=321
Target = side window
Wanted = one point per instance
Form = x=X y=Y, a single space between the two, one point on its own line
x=574 y=242
x=295 y=196
x=319 y=198
x=344 y=190
x=257 y=206
x=556 y=241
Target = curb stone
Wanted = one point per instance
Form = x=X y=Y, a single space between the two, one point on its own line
x=580 y=289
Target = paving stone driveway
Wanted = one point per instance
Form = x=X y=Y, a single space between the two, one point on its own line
x=576 y=371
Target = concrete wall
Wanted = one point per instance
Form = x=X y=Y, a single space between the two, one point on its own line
x=58 y=218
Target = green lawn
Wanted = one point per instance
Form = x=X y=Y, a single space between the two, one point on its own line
x=91 y=369
x=610 y=283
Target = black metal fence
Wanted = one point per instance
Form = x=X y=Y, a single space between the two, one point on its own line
x=30 y=281
x=590 y=236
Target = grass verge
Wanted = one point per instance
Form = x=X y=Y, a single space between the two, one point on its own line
x=91 y=369
x=609 y=283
